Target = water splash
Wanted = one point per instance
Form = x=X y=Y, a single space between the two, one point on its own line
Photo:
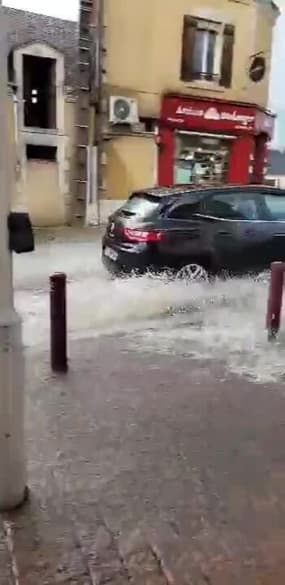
x=230 y=328
x=96 y=302
x=223 y=321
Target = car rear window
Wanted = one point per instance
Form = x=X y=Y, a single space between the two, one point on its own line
x=275 y=207
x=140 y=205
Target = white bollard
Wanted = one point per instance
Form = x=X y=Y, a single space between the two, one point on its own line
x=12 y=449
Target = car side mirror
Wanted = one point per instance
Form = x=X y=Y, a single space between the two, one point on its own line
x=21 y=237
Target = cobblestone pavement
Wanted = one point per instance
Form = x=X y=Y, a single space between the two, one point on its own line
x=148 y=470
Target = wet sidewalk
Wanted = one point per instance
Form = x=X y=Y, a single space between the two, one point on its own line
x=68 y=234
x=148 y=470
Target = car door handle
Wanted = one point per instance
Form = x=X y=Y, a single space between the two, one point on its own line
x=191 y=234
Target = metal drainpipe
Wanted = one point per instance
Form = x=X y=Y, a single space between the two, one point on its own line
x=17 y=151
x=97 y=112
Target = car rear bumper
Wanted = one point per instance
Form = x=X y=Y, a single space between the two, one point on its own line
x=134 y=260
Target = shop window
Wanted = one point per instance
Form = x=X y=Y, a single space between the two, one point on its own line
x=37 y=152
x=200 y=159
x=207 y=51
x=39 y=92
x=236 y=206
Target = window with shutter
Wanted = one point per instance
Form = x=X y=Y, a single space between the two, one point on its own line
x=227 y=56
x=207 y=51
x=188 y=44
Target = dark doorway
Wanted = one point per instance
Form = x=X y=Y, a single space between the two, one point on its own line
x=36 y=152
x=39 y=92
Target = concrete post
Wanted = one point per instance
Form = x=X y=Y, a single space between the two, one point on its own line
x=12 y=458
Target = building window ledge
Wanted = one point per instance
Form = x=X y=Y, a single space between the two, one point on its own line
x=205 y=86
x=41 y=139
x=32 y=130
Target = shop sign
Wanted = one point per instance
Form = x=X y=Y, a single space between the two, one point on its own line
x=257 y=69
x=213 y=114
x=205 y=115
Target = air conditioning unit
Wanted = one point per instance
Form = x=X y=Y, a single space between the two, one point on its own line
x=123 y=110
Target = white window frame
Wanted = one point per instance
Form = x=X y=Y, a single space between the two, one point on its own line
x=204 y=56
x=218 y=28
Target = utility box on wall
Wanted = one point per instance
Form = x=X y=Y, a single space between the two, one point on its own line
x=21 y=237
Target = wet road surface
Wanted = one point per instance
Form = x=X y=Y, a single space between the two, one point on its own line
x=223 y=321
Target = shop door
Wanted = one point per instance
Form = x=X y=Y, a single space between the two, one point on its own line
x=201 y=159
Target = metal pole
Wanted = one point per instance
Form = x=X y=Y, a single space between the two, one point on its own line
x=12 y=450
x=274 y=306
x=98 y=122
x=58 y=327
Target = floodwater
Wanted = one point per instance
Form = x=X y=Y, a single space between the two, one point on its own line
x=224 y=321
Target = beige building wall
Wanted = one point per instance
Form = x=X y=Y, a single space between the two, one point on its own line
x=144 y=45
x=125 y=171
x=143 y=42
x=131 y=165
x=43 y=188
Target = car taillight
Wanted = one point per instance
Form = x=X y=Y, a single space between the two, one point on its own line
x=139 y=236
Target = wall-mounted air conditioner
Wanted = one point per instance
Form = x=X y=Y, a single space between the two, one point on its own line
x=123 y=110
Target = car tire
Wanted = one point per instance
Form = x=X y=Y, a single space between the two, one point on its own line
x=193 y=272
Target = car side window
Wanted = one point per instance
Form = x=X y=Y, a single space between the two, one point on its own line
x=274 y=207
x=184 y=211
x=233 y=205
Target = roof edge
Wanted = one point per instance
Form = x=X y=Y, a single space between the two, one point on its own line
x=11 y=9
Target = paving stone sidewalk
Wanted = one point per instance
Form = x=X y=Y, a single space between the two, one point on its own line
x=148 y=470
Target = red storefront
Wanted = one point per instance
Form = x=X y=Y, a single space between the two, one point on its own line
x=205 y=140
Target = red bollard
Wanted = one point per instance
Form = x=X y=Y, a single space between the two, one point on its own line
x=274 y=306
x=58 y=324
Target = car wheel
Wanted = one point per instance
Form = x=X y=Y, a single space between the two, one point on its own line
x=193 y=273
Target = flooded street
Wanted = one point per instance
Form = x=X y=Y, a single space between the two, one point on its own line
x=223 y=321
x=151 y=441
